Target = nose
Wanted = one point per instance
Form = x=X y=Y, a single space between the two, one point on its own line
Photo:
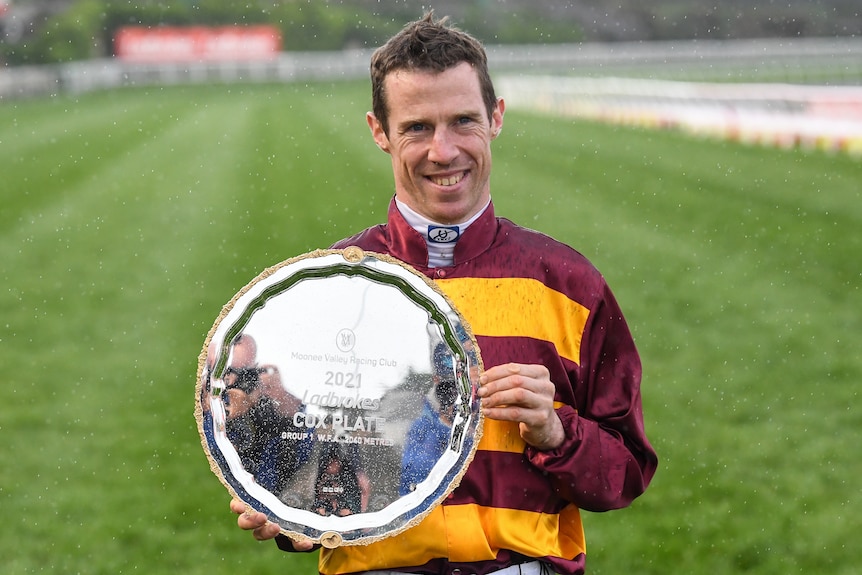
x=442 y=149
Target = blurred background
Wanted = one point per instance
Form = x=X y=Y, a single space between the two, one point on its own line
x=49 y=31
x=74 y=47
x=707 y=157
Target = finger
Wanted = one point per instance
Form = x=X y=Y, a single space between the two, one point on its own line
x=510 y=396
x=304 y=545
x=498 y=378
x=266 y=531
x=498 y=372
x=248 y=519
x=532 y=406
x=504 y=413
x=512 y=375
x=517 y=390
x=237 y=506
x=251 y=520
x=533 y=370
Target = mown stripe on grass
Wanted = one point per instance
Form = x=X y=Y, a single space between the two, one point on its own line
x=729 y=261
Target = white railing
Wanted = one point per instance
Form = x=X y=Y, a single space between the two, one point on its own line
x=89 y=75
x=810 y=60
x=781 y=59
x=639 y=90
x=787 y=115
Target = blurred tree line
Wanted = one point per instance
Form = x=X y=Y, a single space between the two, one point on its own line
x=86 y=28
x=80 y=29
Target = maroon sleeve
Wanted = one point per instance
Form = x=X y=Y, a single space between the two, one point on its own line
x=606 y=460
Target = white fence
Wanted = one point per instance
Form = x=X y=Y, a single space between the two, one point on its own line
x=89 y=75
x=803 y=60
x=812 y=60
x=659 y=84
x=786 y=115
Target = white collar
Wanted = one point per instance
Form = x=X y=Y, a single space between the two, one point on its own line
x=439 y=238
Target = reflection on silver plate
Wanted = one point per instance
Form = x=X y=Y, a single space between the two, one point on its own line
x=336 y=393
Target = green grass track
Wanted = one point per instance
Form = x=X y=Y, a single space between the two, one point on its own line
x=130 y=217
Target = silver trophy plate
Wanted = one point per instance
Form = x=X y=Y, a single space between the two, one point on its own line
x=336 y=393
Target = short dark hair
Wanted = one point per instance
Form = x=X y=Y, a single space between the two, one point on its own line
x=427 y=45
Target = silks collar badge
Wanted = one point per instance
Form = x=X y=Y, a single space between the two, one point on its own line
x=443 y=234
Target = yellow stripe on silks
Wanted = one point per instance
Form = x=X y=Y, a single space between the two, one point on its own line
x=478 y=531
x=519 y=307
x=416 y=546
x=464 y=533
x=504 y=435
x=501 y=436
x=472 y=533
x=516 y=307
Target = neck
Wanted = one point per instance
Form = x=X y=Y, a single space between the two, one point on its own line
x=440 y=238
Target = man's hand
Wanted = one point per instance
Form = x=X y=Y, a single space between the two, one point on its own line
x=261 y=528
x=523 y=393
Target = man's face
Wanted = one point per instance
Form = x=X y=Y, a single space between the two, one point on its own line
x=440 y=141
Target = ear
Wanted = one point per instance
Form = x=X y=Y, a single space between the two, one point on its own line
x=377 y=132
x=497 y=118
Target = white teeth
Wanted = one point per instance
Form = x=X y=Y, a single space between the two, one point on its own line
x=450 y=181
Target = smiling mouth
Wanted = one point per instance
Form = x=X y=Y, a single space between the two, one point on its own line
x=448 y=180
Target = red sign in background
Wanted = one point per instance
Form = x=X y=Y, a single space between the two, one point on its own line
x=174 y=44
